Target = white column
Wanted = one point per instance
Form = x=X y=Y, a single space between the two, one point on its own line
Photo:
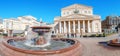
x=57 y=31
x=88 y=26
x=69 y=27
x=62 y=30
x=60 y=27
x=83 y=26
x=78 y=26
x=100 y=27
x=65 y=30
x=74 y=26
x=54 y=31
x=93 y=26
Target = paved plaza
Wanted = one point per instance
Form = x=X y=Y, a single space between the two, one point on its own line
x=90 y=47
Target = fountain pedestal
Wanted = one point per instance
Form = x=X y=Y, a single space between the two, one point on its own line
x=114 y=42
x=41 y=30
x=40 y=41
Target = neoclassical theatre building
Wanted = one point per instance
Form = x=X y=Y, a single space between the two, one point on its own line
x=76 y=20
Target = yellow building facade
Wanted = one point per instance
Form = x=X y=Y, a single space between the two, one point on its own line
x=76 y=20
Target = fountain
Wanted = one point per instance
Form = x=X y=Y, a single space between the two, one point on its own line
x=38 y=42
x=113 y=42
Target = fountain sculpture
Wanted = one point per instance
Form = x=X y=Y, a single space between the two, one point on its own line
x=39 y=43
x=40 y=40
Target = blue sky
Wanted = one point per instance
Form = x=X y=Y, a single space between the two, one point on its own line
x=48 y=9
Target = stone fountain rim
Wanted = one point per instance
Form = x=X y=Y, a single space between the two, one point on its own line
x=43 y=52
x=111 y=43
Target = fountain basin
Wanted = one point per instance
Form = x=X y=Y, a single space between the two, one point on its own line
x=110 y=43
x=73 y=50
x=114 y=42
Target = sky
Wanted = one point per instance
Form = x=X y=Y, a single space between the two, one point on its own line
x=48 y=9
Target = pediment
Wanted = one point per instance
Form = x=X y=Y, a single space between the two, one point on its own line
x=76 y=6
x=78 y=16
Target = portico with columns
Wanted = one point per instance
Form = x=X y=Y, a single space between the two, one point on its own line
x=75 y=27
x=73 y=22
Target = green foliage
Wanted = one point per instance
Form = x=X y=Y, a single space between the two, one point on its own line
x=104 y=35
x=4 y=34
x=85 y=36
x=18 y=34
x=95 y=35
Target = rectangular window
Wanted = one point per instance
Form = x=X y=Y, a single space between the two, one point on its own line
x=85 y=11
x=67 y=12
x=89 y=12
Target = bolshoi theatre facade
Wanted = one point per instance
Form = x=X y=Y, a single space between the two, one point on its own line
x=76 y=20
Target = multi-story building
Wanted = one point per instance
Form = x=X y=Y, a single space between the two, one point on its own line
x=19 y=24
x=1 y=26
x=77 y=19
x=110 y=23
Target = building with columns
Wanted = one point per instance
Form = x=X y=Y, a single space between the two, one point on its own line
x=76 y=20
